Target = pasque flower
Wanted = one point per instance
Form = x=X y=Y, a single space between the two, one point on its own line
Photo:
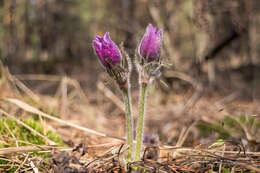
x=107 y=51
x=118 y=67
x=151 y=43
x=149 y=50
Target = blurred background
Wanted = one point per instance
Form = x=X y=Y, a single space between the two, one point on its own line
x=213 y=41
x=211 y=54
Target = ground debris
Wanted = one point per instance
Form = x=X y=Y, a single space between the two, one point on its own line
x=68 y=162
x=83 y=159
x=169 y=159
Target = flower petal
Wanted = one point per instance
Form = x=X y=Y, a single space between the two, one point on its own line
x=106 y=49
x=150 y=46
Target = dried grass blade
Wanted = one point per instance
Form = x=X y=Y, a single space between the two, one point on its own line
x=34 y=110
x=10 y=150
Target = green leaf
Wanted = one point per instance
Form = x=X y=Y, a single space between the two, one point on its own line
x=218 y=143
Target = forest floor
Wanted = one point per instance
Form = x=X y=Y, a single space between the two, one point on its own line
x=75 y=129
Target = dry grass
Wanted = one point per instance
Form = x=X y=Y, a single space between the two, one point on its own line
x=161 y=159
x=99 y=133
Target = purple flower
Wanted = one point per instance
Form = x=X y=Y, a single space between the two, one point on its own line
x=150 y=46
x=107 y=51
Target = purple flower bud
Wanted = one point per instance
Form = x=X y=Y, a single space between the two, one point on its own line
x=107 y=51
x=150 y=46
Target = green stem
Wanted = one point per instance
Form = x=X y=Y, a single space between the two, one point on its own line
x=140 y=125
x=129 y=122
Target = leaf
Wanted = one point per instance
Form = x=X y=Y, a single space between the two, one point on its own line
x=218 y=143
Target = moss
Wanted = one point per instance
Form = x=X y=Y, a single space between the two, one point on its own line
x=8 y=169
x=23 y=134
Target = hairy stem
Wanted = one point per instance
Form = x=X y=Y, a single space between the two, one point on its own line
x=140 y=125
x=129 y=122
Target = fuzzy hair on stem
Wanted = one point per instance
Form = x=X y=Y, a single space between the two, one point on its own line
x=126 y=64
x=140 y=124
x=148 y=71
